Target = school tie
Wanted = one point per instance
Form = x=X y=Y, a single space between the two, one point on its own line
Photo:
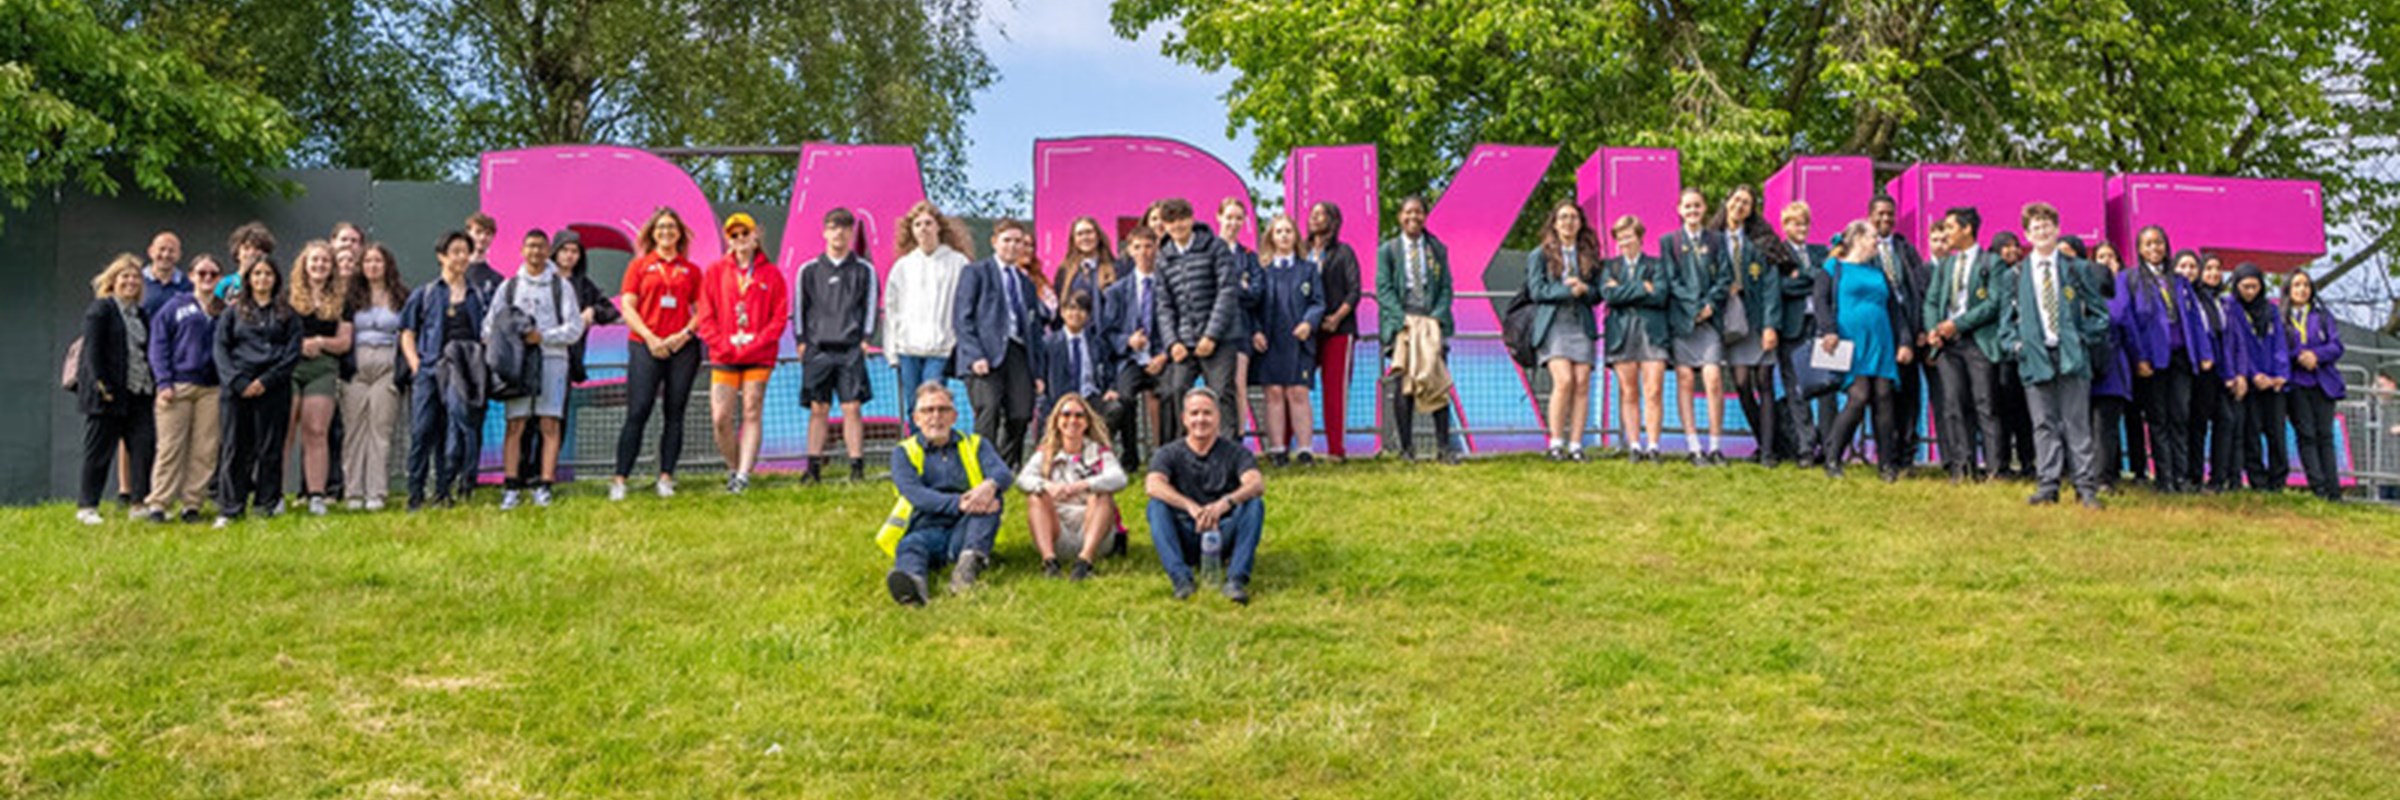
x=1008 y=297
x=2049 y=275
x=1083 y=383
x=1416 y=266
x=1891 y=266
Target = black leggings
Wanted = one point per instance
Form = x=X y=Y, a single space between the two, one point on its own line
x=646 y=377
x=1754 y=389
x=1876 y=392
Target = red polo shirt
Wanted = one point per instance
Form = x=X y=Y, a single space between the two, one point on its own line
x=665 y=292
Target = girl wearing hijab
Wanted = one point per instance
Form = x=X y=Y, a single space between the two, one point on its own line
x=2316 y=384
x=2265 y=345
x=2209 y=426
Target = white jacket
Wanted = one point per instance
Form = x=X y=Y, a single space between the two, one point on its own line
x=916 y=304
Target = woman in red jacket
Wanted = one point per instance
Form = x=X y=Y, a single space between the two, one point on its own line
x=661 y=288
x=741 y=319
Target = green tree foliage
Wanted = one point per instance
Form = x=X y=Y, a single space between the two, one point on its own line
x=85 y=104
x=415 y=88
x=2291 y=88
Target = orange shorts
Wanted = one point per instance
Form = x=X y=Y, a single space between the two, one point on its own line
x=736 y=376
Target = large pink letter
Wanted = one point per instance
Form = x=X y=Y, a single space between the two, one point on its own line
x=1834 y=187
x=1346 y=177
x=1473 y=218
x=1115 y=178
x=604 y=193
x=1925 y=191
x=877 y=183
x=1643 y=182
x=2277 y=224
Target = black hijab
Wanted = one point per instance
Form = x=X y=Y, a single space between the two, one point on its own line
x=2259 y=310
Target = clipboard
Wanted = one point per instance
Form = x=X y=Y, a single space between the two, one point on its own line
x=1836 y=361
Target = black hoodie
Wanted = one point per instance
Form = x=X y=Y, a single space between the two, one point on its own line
x=588 y=296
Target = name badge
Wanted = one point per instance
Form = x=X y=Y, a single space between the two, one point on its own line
x=666 y=301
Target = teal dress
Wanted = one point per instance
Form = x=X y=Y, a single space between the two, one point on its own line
x=1865 y=319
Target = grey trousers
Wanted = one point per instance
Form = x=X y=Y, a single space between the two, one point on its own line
x=2062 y=433
x=1969 y=385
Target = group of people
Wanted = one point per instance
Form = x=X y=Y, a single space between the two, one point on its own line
x=2042 y=356
x=199 y=380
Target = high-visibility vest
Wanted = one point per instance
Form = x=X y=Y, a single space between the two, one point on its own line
x=896 y=524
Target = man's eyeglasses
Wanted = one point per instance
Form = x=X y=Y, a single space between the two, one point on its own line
x=937 y=409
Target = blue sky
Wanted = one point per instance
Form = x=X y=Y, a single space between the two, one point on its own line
x=1062 y=72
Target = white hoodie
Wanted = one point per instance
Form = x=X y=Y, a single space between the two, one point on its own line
x=916 y=304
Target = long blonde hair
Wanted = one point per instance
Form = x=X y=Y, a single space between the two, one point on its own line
x=309 y=297
x=1095 y=429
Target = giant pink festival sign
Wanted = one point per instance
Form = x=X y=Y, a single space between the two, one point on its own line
x=1925 y=192
x=1617 y=181
x=1837 y=189
x=1344 y=176
x=2277 y=224
x=605 y=193
x=1115 y=178
x=876 y=183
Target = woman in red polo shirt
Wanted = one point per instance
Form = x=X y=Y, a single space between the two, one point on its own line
x=742 y=315
x=661 y=289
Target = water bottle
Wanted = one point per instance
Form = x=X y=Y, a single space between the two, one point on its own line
x=1212 y=552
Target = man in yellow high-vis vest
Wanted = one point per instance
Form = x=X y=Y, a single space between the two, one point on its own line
x=951 y=487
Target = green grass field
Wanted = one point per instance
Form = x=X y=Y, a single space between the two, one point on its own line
x=1510 y=628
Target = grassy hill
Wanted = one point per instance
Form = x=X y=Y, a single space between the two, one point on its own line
x=1510 y=628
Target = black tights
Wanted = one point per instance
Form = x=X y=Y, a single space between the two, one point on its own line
x=1864 y=392
x=1754 y=389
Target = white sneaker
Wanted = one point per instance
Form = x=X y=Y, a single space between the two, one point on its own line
x=354 y=504
x=316 y=506
x=541 y=497
x=666 y=487
x=137 y=513
x=616 y=492
x=88 y=516
x=223 y=523
x=373 y=506
x=508 y=500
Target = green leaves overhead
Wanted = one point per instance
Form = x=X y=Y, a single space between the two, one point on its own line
x=2303 y=88
x=87 y=105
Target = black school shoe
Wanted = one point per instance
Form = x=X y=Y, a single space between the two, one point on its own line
x=906 y=589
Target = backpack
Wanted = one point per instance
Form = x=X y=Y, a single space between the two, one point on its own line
x=70 y=376
x=1516 y=329
x=516 y=367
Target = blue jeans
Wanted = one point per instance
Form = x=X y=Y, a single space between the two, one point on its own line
x=937 y=542
x=1178 y=541
x=442 y=435
x=914 y=371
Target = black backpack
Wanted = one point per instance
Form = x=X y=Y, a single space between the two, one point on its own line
x=1516 y=329
x=516 y=367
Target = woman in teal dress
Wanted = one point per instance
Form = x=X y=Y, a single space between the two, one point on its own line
x=1859 y=297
